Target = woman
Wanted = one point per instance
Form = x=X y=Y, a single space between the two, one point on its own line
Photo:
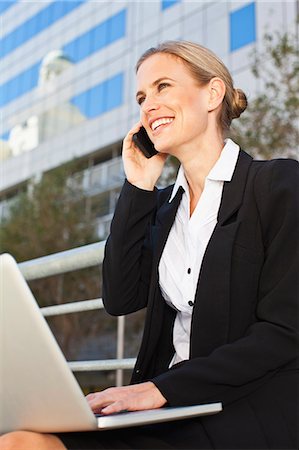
x=213 y=258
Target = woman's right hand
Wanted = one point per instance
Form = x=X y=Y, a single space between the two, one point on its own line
x=140 y=171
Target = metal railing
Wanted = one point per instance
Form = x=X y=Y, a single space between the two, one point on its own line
x=68 y=261
x=102 y=177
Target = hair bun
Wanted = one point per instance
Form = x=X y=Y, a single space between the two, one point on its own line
x=239 y=103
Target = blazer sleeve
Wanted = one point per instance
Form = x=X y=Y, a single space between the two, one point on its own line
x=127 y=258
x=272 y=341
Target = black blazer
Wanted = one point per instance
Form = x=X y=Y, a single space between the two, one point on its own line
x=244 y=331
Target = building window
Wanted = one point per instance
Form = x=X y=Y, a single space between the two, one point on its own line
x=5 y=136
x=5 y=5
x=19 y=85
x=96 y=38
x=37 y=23
x=114 y=92
x=242 y=27
x=168 y=3
x=101 y=98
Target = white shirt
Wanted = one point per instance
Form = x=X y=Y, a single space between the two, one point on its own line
x=186 y=244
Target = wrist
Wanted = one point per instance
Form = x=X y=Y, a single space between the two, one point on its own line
x=142 y=184
x=159 y=396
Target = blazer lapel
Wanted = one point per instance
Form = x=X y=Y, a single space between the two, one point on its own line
x=155 y=317
x=210 y=321
x=164 y=220
x=233 y=190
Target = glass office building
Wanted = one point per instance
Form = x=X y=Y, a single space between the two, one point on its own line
x=67 y=79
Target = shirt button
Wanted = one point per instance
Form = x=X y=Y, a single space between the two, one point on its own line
x=189 y=271
x=190 y=303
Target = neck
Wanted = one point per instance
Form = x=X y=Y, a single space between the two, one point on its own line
x=197 y=162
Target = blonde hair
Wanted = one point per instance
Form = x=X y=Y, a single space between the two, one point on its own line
x=204 y=65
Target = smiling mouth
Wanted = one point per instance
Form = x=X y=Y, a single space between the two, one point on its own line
x=163 y=121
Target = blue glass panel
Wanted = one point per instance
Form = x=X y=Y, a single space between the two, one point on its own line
x=43 y=19
x=117 y=26
x=58 y=10
x=96 y=101
x=5 y=136
x=82 y=47
x=114 y=91
x=37 y=23
x=71 y=50
x=78 y=49
x=98 y=37
x=5 y=5
x=101 y=98
x=5 y=94
x=167 y=3
x=19 y=85
x=33 y=26
x=242 y=27
x=29 y=79
x=5 y=46
x=81 y=101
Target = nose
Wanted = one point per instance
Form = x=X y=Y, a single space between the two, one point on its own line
x=149 y=104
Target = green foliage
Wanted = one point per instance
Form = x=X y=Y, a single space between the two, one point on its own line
x=50 y=217
x=269 y=127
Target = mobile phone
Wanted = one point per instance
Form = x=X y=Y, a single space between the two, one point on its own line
x=144 y=143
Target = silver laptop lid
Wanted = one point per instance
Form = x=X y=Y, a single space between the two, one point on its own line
x=37 y=389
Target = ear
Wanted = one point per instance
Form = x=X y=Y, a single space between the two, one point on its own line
x=216 y=93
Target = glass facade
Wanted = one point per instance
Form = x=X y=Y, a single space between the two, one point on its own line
x=101 y=98
x=36 y=24
x=6 y=5
x=67 y=77
x=5 y=136
x=242 y=27
x=19 y=85
x=97 y=38
x=168 y=3
x=93 y=40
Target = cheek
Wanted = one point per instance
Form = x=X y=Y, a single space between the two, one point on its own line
x=199 y=110
x=142 y=117
x=194 y=114
x=198 y=101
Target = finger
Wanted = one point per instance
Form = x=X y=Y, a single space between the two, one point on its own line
x=115 y=407
x=97 y=402
x=132 y=131
x=90 y=396
x=96 y=408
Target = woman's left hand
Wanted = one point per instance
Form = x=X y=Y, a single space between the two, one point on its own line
x=135 y=397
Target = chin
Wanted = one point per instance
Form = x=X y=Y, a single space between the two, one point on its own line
x=163 y=147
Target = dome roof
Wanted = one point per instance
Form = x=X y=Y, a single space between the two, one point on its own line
x=52 y=65
x=55 y=56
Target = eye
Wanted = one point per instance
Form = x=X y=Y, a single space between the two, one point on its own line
x=140 y=100
x=162 y=86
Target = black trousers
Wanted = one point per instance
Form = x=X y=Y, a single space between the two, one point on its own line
x=261 y=421
x=171 y=435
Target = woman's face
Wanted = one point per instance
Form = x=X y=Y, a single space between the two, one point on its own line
x=173 y=107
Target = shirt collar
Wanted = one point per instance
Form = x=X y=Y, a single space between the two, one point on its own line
x=225 y=165
x=222 y=170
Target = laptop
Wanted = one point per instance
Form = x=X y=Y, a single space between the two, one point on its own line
x=38 y=391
